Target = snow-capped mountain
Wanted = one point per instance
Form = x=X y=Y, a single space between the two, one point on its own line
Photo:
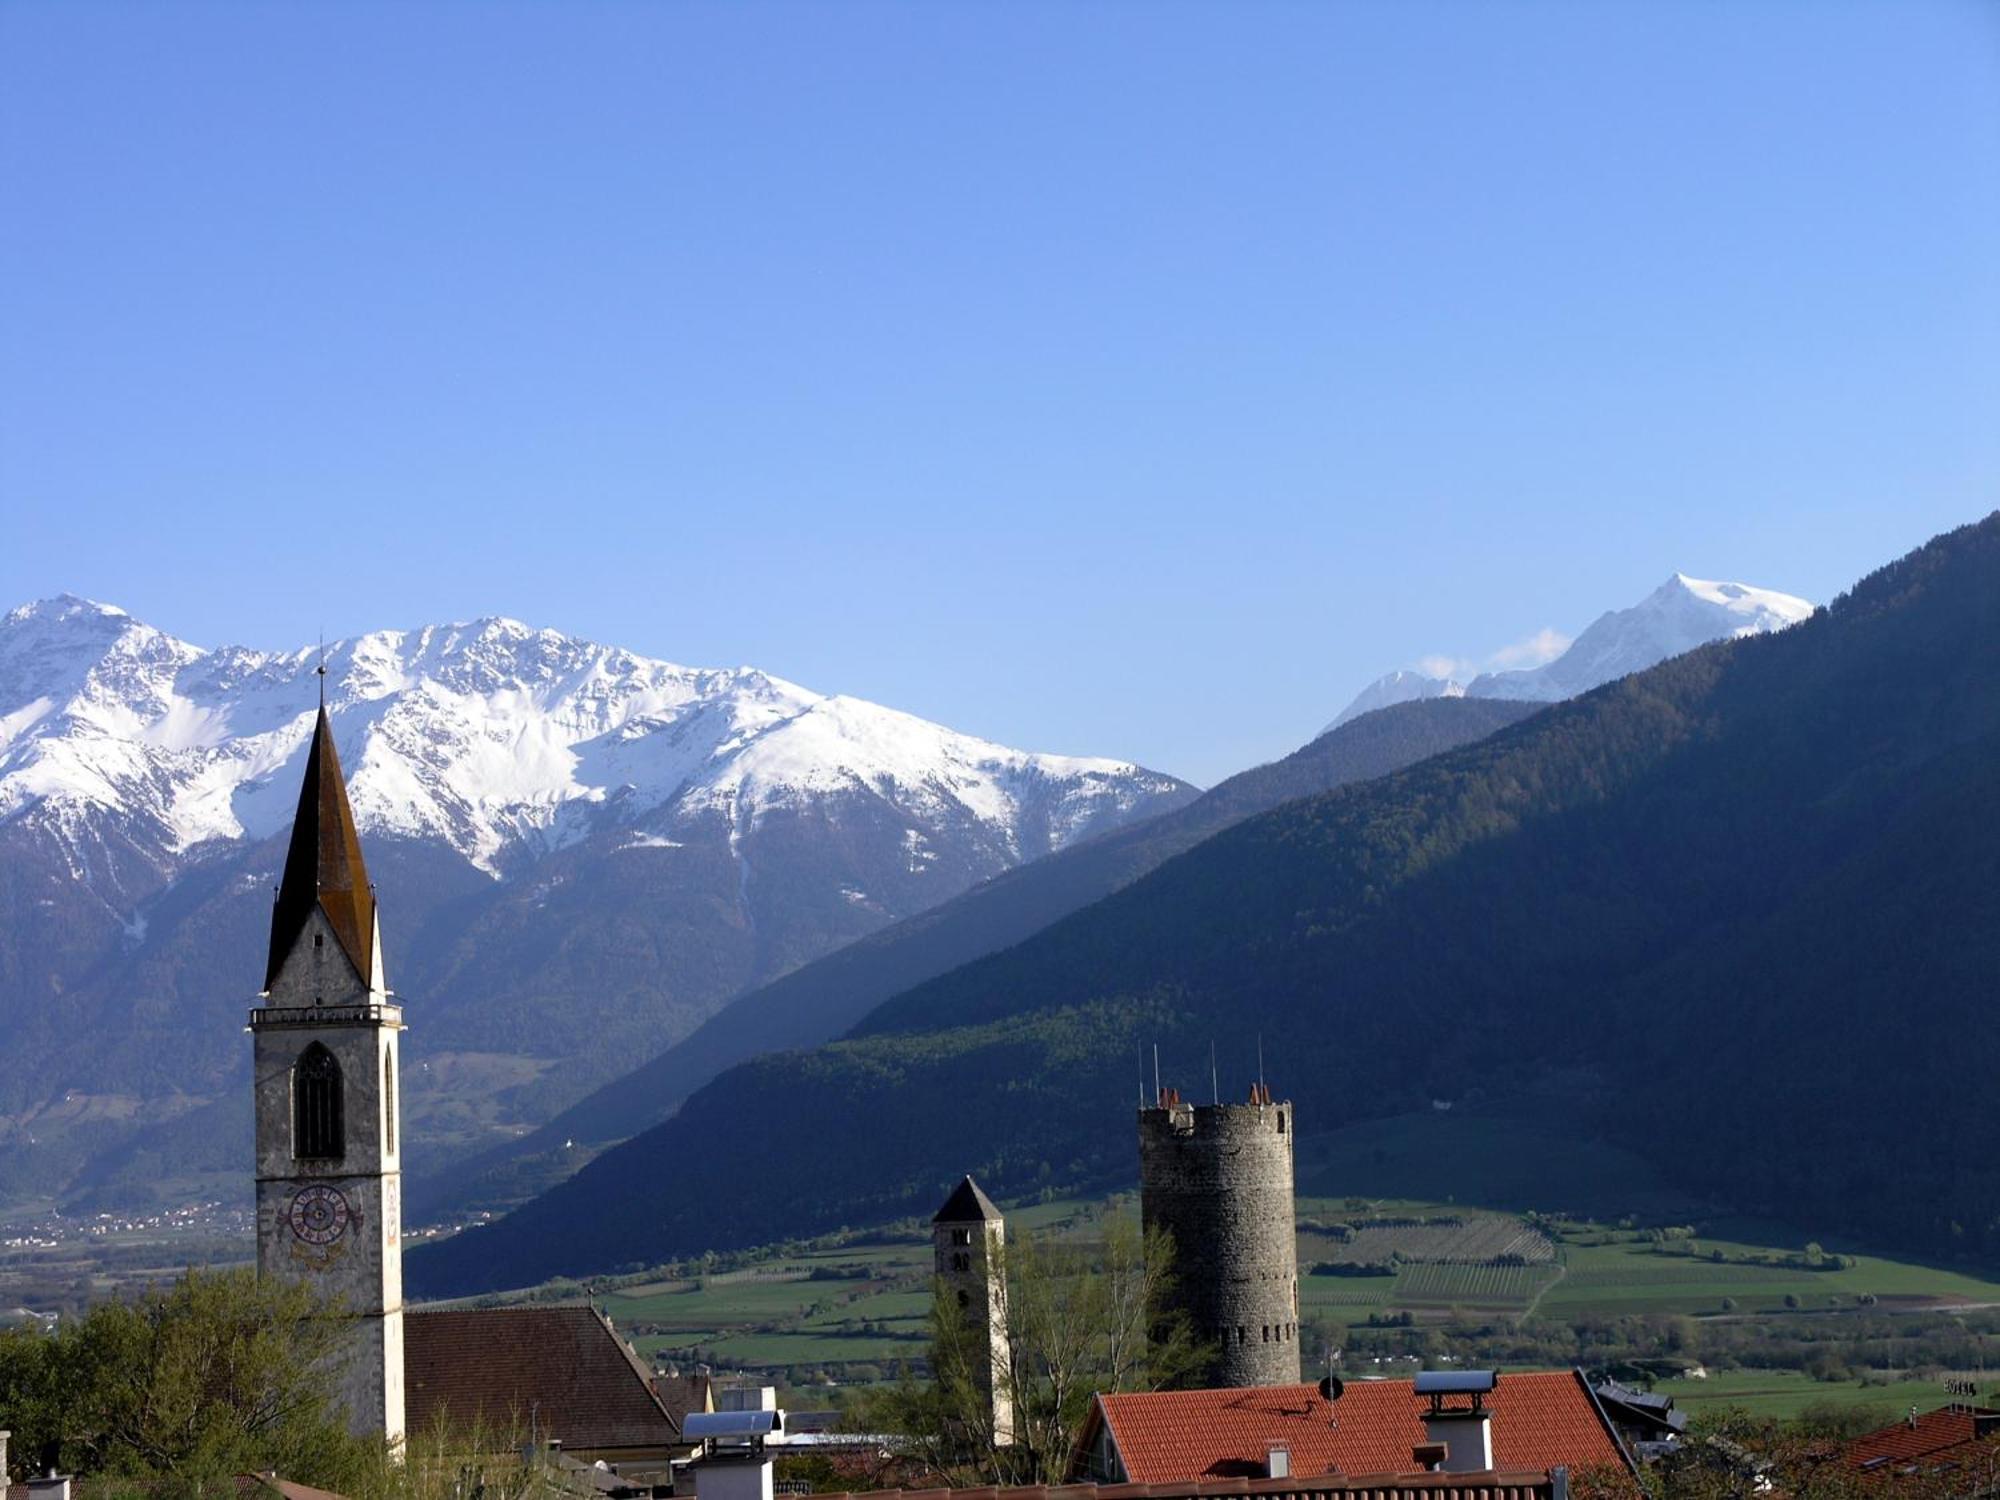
x=1405 y=686
x=581 y=853
x=1678 y=616
x=500 y=741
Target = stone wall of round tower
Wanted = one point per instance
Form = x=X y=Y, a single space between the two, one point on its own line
x=1218 y=1178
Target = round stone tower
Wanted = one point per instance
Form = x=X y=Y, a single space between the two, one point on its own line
x=1218 y=1178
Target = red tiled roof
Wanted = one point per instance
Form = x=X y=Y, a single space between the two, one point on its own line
x=1488 y=1486
x=1926 y=1441
x=1540 y=1420
x=563 y=1368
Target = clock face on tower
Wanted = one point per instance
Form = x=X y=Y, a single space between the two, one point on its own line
x=318 y=1215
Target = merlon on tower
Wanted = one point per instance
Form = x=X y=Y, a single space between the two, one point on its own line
x=324 y=870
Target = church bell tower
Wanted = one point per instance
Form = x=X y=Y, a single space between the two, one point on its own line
x=329 y=1164
x=968 y=1245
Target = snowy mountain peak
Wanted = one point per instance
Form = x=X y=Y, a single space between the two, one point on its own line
x=492 y=736
x=1679 y=615
x=1760 y=609
x=1402 y=686
x=64 y=607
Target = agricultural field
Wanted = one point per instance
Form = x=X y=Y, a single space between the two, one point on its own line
x=854 y=1309
x=840 y=1306
x=1608 y=1273
x=1474 y=1287
x=1462 y=1237
x=1784 y=1394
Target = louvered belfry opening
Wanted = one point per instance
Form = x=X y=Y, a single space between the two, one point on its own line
x=319 y=1116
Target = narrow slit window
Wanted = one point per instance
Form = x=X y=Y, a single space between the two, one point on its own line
x=389 y=1100
x=319 y=1123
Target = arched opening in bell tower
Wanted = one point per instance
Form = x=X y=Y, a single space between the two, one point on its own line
x=319 y=1106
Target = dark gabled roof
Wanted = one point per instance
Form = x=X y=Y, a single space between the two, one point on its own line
x=1646 y=1407
x=269 y=1486
x=682 y=1394
x=323 y=867
x=564 y=1368
x=967 y=1205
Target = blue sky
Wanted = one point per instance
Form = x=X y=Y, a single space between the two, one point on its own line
x=1119 y=378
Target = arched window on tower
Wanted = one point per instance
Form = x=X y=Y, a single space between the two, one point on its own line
x=319 y=1116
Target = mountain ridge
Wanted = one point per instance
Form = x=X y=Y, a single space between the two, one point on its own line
x=1581 y=912
x=1676 y=617
x=582 y=853
x=483 y=734
x=822 y=999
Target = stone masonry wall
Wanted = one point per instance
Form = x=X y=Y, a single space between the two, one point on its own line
x=1219 y=1179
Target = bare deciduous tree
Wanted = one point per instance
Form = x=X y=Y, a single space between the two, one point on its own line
x=1082 y=1317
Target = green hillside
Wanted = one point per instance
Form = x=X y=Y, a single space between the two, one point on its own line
x=823 y=999
x=1733 y=915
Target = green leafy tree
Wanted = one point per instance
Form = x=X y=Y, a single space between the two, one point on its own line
x=217 y=1374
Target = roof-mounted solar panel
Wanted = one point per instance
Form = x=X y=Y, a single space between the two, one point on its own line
x=698 y=1425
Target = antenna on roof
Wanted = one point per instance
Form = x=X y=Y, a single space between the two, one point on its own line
x=1156 y=1071
x=1142 y=1075
x=1214 y=1081
x=320 y=670
x=1260 y=1062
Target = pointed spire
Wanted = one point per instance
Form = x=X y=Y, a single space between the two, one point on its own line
x=323 y=866
x=967 y=1205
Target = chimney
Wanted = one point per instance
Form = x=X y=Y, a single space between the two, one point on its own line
x=1466 y=1431
x=1467 y=1438
x=1278 y=1461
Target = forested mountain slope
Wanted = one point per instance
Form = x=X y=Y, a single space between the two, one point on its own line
x=825 y=998
x=1737 y=912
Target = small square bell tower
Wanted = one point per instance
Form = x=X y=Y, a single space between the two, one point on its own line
x=968 y=1236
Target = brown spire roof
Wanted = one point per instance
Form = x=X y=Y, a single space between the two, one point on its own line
x=323 y=867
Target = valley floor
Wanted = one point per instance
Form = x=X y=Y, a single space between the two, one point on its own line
x=1505 y=1246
